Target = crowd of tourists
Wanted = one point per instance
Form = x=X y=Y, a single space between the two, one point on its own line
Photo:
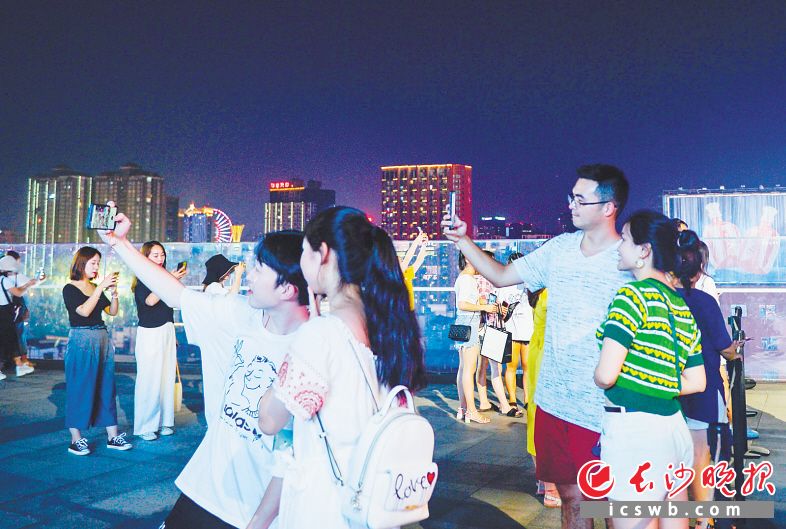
x=620 y=352
x=624 y=361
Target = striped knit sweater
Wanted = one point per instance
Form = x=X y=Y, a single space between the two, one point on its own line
x=639 y=320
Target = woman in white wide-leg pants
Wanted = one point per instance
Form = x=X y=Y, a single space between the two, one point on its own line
x=156 y=356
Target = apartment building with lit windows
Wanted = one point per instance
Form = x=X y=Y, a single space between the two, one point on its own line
x=139 y=194
x=57 y=206
x=417 y=196
x=292 y=203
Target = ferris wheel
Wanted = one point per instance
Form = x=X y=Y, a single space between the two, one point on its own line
x=223 y=226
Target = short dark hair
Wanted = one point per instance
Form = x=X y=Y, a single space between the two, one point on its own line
x=81 y=257
x=281 y=251
x=656 y=229
x=14 y=254
x=612 y=183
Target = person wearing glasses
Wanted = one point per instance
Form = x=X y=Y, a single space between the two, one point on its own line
x=580 y=271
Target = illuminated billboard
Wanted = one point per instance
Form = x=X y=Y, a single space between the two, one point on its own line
x=743 y=230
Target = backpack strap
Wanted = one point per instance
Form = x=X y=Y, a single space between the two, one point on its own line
x=331 y=456
x=2 y=284
x=323 y=434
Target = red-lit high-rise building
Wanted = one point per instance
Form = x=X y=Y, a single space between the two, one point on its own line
x=417 y=196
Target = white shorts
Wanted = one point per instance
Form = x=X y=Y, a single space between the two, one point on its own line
x=694 y=424
x=628 y=440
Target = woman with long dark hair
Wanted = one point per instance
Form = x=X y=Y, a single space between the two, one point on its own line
x=341 y=363
x=156 y=355
x=650 y=355
x=705 y=412
x=91 y=397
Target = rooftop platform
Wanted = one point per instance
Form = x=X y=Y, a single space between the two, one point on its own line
x=486 y=478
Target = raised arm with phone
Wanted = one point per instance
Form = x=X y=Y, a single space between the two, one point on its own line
x=232 y=467
x=161 y=282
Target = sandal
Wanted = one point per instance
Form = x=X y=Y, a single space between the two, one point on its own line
x=460 y=414
x=551 y=499
x=513 y=413
x=492 y=407
x=474 y=416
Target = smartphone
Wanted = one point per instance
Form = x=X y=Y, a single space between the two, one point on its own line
x=492 y=298
x=41 y=274
x=182 y=265
x=100 y=217
x=452 y=207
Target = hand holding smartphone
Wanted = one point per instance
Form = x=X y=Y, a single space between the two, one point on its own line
x=452 y=208
x=100 y=217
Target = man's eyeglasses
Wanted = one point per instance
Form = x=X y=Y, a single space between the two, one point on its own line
x=578 y=203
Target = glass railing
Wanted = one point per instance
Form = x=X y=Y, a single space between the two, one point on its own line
x=762 y=301
x=48 y=326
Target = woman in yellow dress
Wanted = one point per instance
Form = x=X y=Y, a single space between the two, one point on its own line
x=549 y=490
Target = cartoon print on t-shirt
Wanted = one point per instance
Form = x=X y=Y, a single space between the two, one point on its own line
x=260 y=373
x=244 y=387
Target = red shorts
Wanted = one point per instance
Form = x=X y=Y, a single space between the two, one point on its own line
x=562 y=448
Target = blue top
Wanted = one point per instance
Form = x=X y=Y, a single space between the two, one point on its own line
x=714 y=339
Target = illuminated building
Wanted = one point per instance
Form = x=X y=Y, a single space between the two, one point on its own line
x=57 y=206
x=207 y=224
x=492 y=228
x=417 y=196
x=139 y=194
x=172 y=228
x=292 y=204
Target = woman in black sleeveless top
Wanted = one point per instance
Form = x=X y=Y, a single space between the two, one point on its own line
x=90 y=357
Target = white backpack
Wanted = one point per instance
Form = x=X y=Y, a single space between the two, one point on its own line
x=391 y=470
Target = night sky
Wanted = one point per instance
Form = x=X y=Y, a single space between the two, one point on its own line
x=223 y=97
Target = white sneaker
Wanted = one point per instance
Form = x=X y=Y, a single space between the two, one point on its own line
x=149 y=436
x=2 y=376
x=167 y=430
x=23 y=370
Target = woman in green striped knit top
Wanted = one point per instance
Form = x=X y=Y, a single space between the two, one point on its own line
x=650 y=355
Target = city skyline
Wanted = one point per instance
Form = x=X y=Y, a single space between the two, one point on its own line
x=224 y=99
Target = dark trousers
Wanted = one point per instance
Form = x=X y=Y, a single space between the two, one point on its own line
x=90 y=379
x=188 y=515
x=9 y=341
x=21 y=332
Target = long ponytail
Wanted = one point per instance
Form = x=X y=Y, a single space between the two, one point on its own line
x=366 y=258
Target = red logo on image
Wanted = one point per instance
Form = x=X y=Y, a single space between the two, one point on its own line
x=595 y=480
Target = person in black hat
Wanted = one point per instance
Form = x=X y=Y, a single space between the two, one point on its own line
x=218 y=270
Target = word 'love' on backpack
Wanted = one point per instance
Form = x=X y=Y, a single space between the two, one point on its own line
x=392 y=474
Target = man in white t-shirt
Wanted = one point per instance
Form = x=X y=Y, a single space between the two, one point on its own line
x=580 y=271
x=224 y=481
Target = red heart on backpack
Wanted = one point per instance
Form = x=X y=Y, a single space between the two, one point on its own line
x=430 y=477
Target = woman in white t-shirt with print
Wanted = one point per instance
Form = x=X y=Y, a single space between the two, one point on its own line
x=340 y=364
